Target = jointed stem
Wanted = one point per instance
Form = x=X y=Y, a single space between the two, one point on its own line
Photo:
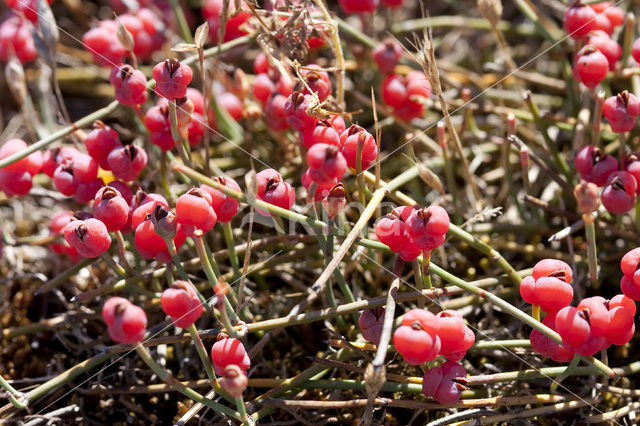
x=233 y=256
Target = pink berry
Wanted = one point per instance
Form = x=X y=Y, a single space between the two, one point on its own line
x=321 y=133
x=354 y=137
x=317 y=80
x=54 y=156
x=552 y=268
x=172 y=78
x=126 y=322
x=111 y=208
x=590 y=66
x=100 y=141
x=157 y=121
x=224 y=206
x=130 y=85
x=614 y=14
x=103 y=44
x=445 y=383
x=15 y=183
x=127 y=162
x=16 y=39
x=428 y=226
x=624 y=301
x=391 y=231
x=275 y=115
x=89 y=237
x=594 y=165
x=619 y=194
x=182 y=304
x=609 y=47
x=621 y=111
x=194 y=212
x=296 y=110
x=578 y=20
x=263 y=88
x=31 y=164
x=229 y=351
x=387 y=54
x=273 y=190
x=326 y=163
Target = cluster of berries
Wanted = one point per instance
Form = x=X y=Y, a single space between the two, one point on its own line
x=409 y=231
x=145 y=27
x=366 y=6
x=594 y=24
x=595 y=324
x=16 y=40
x=630 y=283
x=236 y=21
x=406 y=94
x=619 y=187
x=422 y=336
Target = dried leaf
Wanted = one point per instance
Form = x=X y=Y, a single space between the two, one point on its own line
x=184 y=47
x=48 y=26
x=202 y=32
x=429 y=177
x=125 y=38
x=252 y=186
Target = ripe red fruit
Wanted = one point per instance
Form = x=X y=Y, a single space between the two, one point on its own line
x=16 y=39
x=273 y=190
x=630 y=288
x=224 y=206
x=417 y=338
x=212 y=10
x=552 y=268
x=263 y=88
x=392 y=3
x=172 y=78
x=573 y=326
x=317 y=80
x=619 y=194
x=322 y=189
x=351 y=139
x=157 y=121
x=295 y=109
x=370 y=323
x=194 y=212
x=455 y=336
x=445 y=383
x=150 y=245
x=143 y=204
x=578 y=20
x=607 y=46
x=111 y=208
x=549 y=286
x=428 y=226
x=31 y=164
x=89 y=237
x=130 y=85
x=125 y=321
x=261 y=63
x=182 y=304
x=632 y=165
x=624 y=301
x=547 y=347
x=56 y=227
x=391 y=230
x=274 y=112
x=321 y=133
x=406 y=94
x=100 y=141
x=326 y=163
x=614 y=14
x=127 y=162
x=590 y=66
x=621 y=111
x=387 y=54
x=358 y=6
x=594 y=165
x=28 y=8
x=229 y=351
x=621 y=321
x=15 y=183
x=102 y=42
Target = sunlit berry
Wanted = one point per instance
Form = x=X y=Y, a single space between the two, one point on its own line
x=194 y=212
x=621 y=111
x=353 y=138
x=594 y=165
x=229 y=351
x=296 y=110
x=130 y=85
x=125 y=321
x=387 y=54
x=127 y=162
x=182 y=304
x=619 y=194
x=172 y=78
x=590 y=66
x=89 y=237
x=111 y=208
x=100 y=141
x=274 y=190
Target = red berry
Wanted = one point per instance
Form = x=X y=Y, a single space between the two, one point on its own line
x=415 y=343
x=621 y=321
x=31 y=164
x=322 y=189
x=229 y=351
x=224 y=206
x=444 y=383
x=295 y=108
x=317 y=80
x=601 y=23
x=86 y=191
x=621 y=111
x=142 y=206
x=263 y=88
x=100 y=141
x=335 y=201
x=194 y=212
x=56 y=227
x=89 y=237
x=553 y=294
x=126 y=322
x=594 y=165
x=261 y=63
x=552 y=268
x=274 y=112
x=387 y=54
x=455 y=336
x=130 y=85
x=273 y=190
x=596 y=313
x=614 y=14
x=547 y=347
x=54 y=156
x=212 y=10
x=28 y=8
x=578 y=20
x=351 y=139
x=428 y=226
x=392 y=3
x=358 y=6
x=127 y=162
x=326 y=163
x=16 y=39
x=635 y=50
x=590 y=66
x=111 y=208
x=102 y=42
x=150 y=245
x=371 y=322
x=619 y=194
x=573 y=326
x=182 y=304
x=15 y=183
x=624 y=301
x=321 y=133
x=172 y=78
x=157 y=121
x=609 y=47
x=391 y=231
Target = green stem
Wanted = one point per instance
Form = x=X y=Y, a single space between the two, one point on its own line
x=204 y=260
x=535 y=312
x=592 y=256
x=173 y=252
x=65 y=275
x=243 y=411
x=113 y=264
x=181 y=20
x=204 y=357
x=189 y=393
x=426 y=277
x=13 y=394
x=231 y=244
x=566 y=373
x=175 y=132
